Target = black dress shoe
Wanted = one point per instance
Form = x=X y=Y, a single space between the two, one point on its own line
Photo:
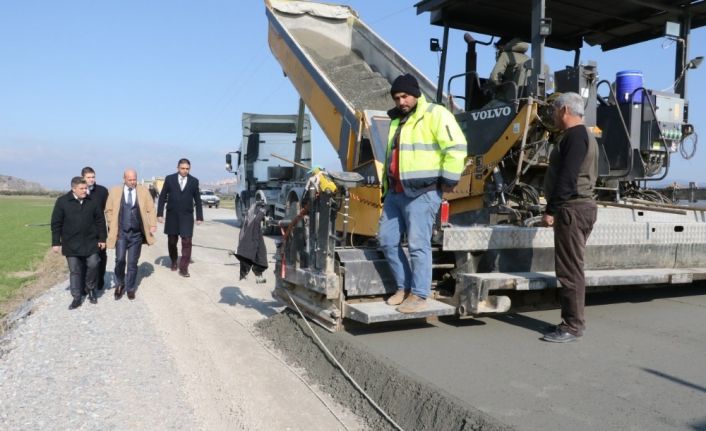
x=119 y=291
x=75 y=304
x=560 y=336
x=550 y=328
x=185 y=274
x=131 y=295
x=92 y=297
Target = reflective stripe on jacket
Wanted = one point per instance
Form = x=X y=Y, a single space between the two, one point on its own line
x=432 y=149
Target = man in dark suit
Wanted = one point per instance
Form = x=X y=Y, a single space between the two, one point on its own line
x=78 y=231
x=100 y=194
x=180 y=192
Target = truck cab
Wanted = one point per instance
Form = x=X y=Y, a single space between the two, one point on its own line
x=263 y=164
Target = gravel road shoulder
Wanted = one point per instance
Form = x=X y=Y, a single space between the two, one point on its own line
x=101 y=367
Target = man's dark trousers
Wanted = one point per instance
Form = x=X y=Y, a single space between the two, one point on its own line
x=103 y=255
x=127 y=253
x=185 y=260
x=573 y=224
x=83 y=272
x=100 y=194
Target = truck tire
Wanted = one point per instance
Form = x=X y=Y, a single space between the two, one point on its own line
x=239 y=211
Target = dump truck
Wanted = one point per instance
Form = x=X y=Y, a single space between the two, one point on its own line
x=263 y=164
x=491 y=247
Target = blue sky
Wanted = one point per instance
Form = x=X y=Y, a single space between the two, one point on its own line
x=143 y=83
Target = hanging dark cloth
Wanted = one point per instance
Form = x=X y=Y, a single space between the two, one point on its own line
x=252 y=252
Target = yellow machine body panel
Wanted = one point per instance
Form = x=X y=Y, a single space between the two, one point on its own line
x=468 y=194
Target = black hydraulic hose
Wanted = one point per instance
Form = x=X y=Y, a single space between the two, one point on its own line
x=661 y=135
x=625 y=127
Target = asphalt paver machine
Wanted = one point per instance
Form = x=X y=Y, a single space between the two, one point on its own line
x=487 y=243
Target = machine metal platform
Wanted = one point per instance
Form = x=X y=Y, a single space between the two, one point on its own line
x=594 y=278
x=379 y=311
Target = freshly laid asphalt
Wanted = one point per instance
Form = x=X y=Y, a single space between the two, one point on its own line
x=640 y=366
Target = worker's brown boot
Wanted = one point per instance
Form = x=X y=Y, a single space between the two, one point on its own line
x=398 y=297
x=412 y=304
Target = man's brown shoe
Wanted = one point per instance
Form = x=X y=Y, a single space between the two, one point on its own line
x=130 y=295
x=119 y=291
x=398 y=297
x=412 y=304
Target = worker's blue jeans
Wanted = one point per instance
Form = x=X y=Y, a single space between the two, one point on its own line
x=414 y=216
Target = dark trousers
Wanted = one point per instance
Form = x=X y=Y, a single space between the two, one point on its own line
x=247 y=264
x=185 y=251
x=127 y=253
x=103 y=255
x=573 y=224
x=83 y=271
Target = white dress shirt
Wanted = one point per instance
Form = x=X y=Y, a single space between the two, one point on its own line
x=126 y=189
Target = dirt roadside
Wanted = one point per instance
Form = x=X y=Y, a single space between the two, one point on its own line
x=231 y=379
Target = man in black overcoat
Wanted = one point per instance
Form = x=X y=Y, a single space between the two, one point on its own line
x=180 y=193
x=78 y=231
x=100 y=194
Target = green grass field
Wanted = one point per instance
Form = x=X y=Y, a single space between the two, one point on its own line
x=25 y=237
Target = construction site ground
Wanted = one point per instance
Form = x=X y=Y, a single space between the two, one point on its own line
x=214 y=353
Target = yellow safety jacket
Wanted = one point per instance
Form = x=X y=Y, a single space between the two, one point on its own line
x=432 y=149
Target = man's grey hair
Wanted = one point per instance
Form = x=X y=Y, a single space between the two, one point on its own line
x=572 y=101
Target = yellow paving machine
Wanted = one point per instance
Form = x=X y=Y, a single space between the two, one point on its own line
x=487 y=243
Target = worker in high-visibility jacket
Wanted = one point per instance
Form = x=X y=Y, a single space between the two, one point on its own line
x=426 y=152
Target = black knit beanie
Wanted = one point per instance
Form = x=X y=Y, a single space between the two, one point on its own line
x=406 y=84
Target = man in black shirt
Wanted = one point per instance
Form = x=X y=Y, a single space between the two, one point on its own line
x=78 y=231
x=99 y=194
x=571 y=211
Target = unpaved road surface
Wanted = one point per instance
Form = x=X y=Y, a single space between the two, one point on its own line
x=180 y=356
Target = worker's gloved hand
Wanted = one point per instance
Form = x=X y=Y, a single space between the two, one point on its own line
x=320 y=181
x=312 y=182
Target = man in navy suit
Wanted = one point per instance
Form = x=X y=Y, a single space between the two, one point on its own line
x=180 y=193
